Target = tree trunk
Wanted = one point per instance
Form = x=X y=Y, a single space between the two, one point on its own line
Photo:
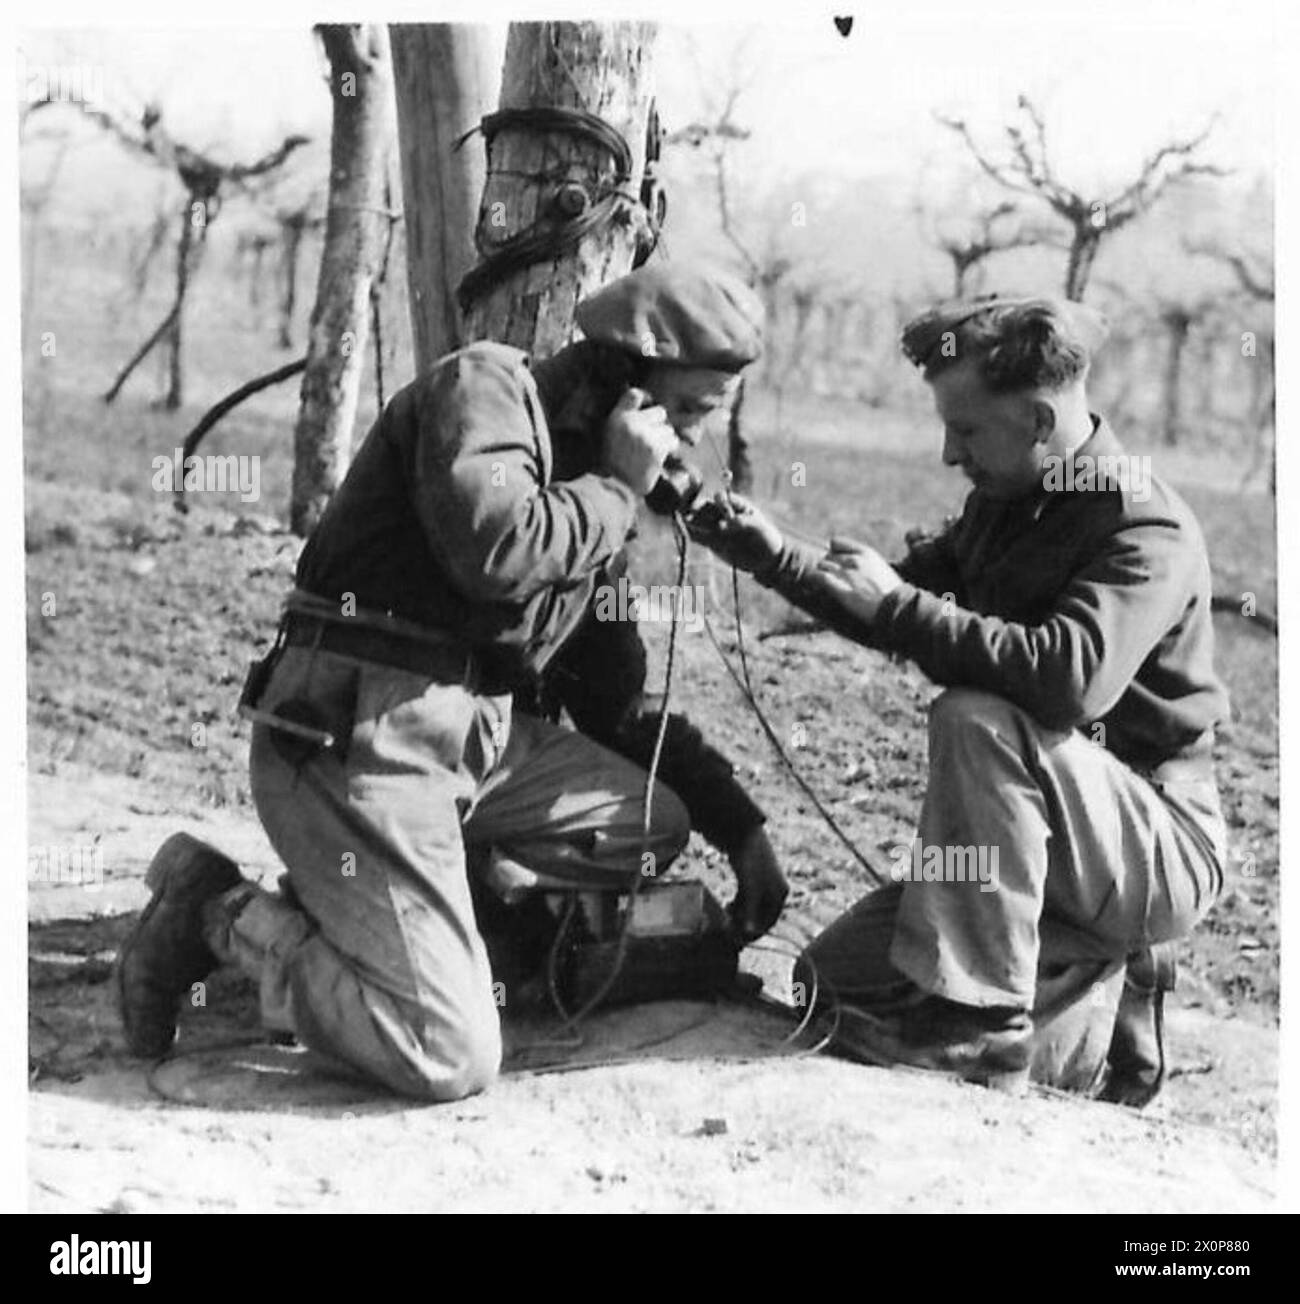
x=445 y=83
x=604 y=68
x=1083 y=252
x=170 y=327
x=187 y=250
x=1178 y=324
x=291 y=233
x=354 y=233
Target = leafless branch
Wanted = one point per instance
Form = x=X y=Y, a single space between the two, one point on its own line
x=1258 y=286
x=1157 y=174
x=996 y=173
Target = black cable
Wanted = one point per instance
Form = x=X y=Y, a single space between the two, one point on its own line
x=547 y=240
x=746 y=690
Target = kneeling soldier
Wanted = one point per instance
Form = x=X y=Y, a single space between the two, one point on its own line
x=1066 y=614
x=444 y=613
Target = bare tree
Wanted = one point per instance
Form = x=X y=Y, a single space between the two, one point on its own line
x=204 y=180
x=1028 y=170
x=1255 y=279
x=35 y=200
x=716 y=134
x=355 y=225
x=717 y=137
x=1177 y=316
x=250 y=257
x=149 y=246
x=295 y=222
x=970 y=243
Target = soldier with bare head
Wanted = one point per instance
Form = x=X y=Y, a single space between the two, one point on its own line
x=1066 y=617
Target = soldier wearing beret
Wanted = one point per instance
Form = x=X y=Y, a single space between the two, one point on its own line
x=1066 y=616
x=443 y=615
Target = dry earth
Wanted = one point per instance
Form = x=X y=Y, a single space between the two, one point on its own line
x=677 y=1125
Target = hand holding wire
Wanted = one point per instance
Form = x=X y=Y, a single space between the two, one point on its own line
x=734 y=529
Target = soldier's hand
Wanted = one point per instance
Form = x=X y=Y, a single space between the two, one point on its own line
x=761 y=888
x=636 y=441
x=856 y=576
x=737 y=531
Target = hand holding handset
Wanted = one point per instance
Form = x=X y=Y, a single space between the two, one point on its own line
x=640 y=450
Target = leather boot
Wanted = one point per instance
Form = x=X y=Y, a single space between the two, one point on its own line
x=1137 y=1064
x=987 y=1046
x=165 y=954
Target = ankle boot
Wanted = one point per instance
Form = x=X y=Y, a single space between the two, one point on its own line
x=166 y=952
x=987 y=1046
x=1137 y=1063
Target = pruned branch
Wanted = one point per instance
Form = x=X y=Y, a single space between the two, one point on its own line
x=242 y=171
x=203 y=179
x=1154 y=176
x=228 y=404
x=198 y=171
x=992 y=231
x=1257 y=285
x=719 y=135
x=986 y=164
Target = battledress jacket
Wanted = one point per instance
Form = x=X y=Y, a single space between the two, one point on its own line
x=474 y=508
x=1084 y=606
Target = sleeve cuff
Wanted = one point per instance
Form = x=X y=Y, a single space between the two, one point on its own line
x=789 y=566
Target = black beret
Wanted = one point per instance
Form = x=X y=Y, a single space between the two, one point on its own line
x=681 y=313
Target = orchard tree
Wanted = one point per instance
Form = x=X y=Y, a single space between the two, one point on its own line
x=205 y=181
x=1028 y=169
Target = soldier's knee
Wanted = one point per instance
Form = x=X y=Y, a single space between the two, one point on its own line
x=454 y=1062
x=969 y=710
x=670 y=825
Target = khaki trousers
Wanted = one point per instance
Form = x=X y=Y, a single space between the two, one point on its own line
x=1093 y=861
x=378 y=962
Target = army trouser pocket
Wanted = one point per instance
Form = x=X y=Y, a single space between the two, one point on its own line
x=308 y=704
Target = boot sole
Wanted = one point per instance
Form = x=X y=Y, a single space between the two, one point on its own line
x=175 y=865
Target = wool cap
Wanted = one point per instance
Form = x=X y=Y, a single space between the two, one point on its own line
x=680 y=313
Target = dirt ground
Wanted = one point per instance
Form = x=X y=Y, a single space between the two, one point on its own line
x=708 y=1111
